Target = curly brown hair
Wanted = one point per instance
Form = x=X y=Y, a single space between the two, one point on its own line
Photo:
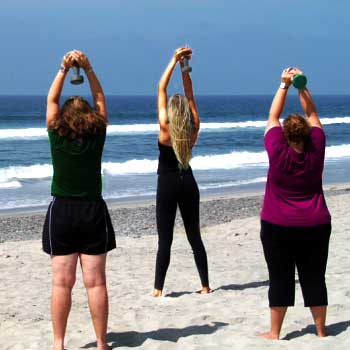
x=296 y=129
x=77 y=118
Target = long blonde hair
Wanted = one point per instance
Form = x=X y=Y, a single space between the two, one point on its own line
x=180 y=128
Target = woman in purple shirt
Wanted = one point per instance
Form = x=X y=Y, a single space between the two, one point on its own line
x=295 y=221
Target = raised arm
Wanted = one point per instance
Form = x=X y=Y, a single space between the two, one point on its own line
x=188 y=89
x=279 y=100
x=54 y=94
x=163 y=100
x=309 y=108
x=163 y=96
x=95 y=86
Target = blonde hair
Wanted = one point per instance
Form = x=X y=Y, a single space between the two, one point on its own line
x=180 y=128
x=77 y=118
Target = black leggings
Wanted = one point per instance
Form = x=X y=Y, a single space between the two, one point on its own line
x=178 y=189
x=303 y=247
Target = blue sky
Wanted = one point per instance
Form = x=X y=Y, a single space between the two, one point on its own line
x=240 y=46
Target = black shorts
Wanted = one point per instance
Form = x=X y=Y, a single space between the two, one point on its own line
x=77 y=226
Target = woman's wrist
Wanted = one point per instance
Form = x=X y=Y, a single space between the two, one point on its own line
x=285 y=83
x=88 y=69
x=286 y=80
x=63 y=68
x=175 y=59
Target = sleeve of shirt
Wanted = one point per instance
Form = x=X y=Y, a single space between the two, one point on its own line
x=274 y=140
x=318 y=140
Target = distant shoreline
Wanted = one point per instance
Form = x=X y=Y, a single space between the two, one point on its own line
x=137 y=218
x=142 y=201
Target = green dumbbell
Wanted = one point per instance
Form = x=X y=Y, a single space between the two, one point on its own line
x=299 y=81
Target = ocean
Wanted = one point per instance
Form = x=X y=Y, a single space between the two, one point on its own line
x=229 y=155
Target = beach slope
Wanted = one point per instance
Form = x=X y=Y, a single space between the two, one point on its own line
x=229 y=318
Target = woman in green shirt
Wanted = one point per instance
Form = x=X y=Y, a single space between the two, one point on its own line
x=77 y=225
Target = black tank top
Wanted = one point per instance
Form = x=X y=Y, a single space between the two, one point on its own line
x=167 y=161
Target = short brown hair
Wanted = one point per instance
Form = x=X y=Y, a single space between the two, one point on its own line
x=296 y=129
x=77 y=118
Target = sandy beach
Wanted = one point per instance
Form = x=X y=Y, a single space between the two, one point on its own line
x=229 y=318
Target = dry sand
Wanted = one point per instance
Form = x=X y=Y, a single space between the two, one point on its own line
x=229 y=318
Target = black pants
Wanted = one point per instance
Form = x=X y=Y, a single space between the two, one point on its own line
x=303 y=247
x=178 y=189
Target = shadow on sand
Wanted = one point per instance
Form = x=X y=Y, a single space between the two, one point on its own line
x=227 y=287
x=134 y=339
x=244 y=286
x=332 y=330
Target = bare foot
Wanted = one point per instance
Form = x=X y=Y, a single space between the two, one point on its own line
x=204 y=290
x=269 y=335
x=105 y=347
x=157 y=293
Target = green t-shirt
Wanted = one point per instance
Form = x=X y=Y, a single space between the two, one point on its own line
x=76 y=165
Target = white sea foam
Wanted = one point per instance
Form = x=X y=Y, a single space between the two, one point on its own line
x=132 y=128
x=233 y=183
x=30 y=133
x=10 y=185
x=146 y=166
x=23 y=133
x=229 y=161
x=37 y=171
x=339 y=151
x=24 y=203
x=134 y=166
x=336 y=120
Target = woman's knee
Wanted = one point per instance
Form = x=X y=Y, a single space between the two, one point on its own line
x=94 y=270
x=96 y=281
x=165 y=241
x=94 y=278
x=64 y=271
x=194 y=238
x=63 y=280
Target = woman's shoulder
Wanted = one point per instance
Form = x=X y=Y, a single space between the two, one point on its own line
x=316 y=130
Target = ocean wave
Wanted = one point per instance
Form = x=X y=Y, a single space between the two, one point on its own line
x=10 y=185
x=36 y=171
x=147 y=166
x=24 y=203
x=215 y=185
x=134 y=166
x=30 y=133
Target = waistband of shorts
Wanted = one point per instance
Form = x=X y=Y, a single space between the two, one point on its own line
x=77 y=199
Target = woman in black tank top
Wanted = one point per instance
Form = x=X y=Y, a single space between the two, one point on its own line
x=179 y=125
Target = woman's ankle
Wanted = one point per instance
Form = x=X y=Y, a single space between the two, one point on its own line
x=157 y=292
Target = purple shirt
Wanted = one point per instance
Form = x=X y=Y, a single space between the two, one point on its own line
x=293 y=194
